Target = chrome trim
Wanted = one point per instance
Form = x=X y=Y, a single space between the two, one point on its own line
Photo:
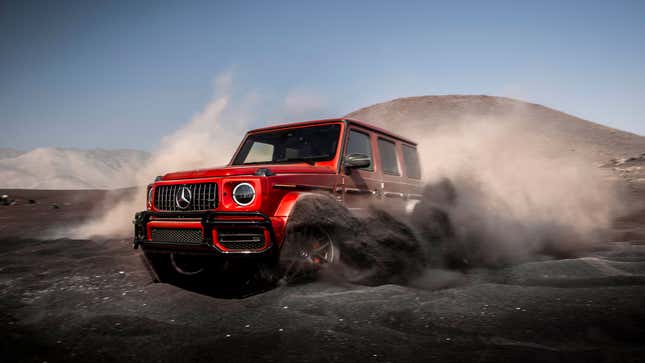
x=203 y=196
x=235 y=199
x=183 y=198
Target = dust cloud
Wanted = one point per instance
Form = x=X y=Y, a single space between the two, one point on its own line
x=514 y=195
x=208 y=140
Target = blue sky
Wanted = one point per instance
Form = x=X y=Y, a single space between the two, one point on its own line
x=123 y=74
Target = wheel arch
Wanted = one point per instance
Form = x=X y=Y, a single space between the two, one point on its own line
x=287 y=203
x=285 y=209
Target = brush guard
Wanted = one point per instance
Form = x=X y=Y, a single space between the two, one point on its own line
x=209 y=221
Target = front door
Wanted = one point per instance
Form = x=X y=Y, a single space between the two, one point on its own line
x=360 y=186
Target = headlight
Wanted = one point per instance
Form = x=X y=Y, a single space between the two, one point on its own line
x=244 y=194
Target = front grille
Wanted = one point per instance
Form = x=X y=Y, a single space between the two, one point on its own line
x=177 y=236
x=241 y=239
x=203 y=196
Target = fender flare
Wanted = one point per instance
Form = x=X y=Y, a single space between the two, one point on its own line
x=288 y=202
x=282 y=213
x=284 y=210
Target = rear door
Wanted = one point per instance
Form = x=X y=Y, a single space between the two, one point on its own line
x=394 y=185
x=412 y=171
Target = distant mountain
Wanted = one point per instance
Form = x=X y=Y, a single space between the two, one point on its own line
x=555 y=131
x=418 y=118
x=60 y=168
x=7 y=153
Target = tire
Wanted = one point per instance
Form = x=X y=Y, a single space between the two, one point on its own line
x=306 y=251
x=186 y=265
x=164 y=267
x=317 y=227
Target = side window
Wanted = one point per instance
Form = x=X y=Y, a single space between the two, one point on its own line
x=389 y=161
x=411 y=160
x=359 y=143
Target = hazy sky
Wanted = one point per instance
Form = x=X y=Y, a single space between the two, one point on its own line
x=122 y=74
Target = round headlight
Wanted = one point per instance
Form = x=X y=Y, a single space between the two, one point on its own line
x=244 y=194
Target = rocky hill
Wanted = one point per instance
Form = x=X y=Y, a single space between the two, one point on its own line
x=6 y=153
x=549 y=127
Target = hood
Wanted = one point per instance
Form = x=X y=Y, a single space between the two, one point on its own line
x=248 y=170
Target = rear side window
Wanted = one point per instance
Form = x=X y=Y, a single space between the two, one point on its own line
x=411 y=160
x=359 y=143
x=389 y=162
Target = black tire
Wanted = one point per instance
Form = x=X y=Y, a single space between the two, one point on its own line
x=307 y=250
x=316 y=220
x=171 y=268
x=187 y=265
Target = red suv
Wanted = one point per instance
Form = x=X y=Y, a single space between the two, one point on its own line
x=244 y=209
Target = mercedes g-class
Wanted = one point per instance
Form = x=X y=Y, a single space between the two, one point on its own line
x=243 y=210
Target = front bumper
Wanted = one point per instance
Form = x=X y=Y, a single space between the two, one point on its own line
x=210 y=223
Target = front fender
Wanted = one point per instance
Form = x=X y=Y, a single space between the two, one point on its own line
x=283 y=212
x=288 y=201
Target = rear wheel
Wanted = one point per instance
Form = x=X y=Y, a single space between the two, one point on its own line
x=306 y=250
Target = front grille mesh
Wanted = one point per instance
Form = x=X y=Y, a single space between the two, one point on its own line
x=242 y=240
x=178 y=236
x=203 y=197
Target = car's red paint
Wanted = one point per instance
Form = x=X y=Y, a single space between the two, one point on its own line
x=278 y=192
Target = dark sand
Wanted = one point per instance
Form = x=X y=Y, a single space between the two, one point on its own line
x=92 y=300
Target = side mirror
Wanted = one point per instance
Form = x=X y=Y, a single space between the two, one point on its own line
x=354 y=161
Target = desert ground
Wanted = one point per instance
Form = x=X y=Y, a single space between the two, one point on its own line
x=79 y=300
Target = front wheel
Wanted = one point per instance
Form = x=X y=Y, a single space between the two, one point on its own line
x=187 y=265
x=169 y=267
x=307 y=250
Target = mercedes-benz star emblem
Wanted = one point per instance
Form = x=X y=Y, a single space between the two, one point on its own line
x=183 y=197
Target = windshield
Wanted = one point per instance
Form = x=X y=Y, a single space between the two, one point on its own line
x=305 y=144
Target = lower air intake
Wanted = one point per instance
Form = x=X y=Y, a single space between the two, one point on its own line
x=242 y=239
x=177 y=236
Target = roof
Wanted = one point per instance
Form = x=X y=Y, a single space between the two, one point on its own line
x=334 y=120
